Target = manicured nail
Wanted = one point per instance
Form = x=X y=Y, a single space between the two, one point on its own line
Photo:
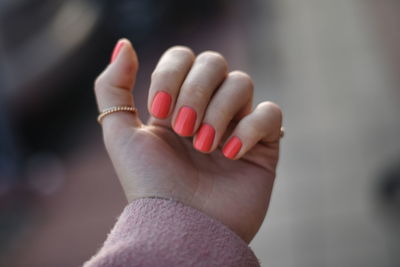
x=204 y=138
x=161 y=104
x=184 y=123
x=116 y=50
x=231 y=148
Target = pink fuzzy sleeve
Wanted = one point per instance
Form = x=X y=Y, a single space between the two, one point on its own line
x=161 y=232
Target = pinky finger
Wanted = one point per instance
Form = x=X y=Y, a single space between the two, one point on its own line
x=263 y=124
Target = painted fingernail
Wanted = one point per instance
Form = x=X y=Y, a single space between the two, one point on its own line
x=232 y=147
x=161 y=104
x=184 y=124
x=204 y=138
x=116 y=50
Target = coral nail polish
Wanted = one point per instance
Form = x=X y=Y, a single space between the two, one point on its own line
x=204 y=138
x=184 y=123
x=116 y=50
x=232 y=147
x=161 y=104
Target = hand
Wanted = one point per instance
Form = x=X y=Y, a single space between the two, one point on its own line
x=196 y=107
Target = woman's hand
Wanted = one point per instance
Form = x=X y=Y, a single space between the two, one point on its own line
x=203 y=146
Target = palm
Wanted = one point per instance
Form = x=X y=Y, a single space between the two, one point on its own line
x=154 y=161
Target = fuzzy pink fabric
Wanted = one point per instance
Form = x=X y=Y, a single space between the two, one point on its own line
x=162 y=232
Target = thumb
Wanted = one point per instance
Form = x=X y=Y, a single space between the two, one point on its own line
x=114 y=85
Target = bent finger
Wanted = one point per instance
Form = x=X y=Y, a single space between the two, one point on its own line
x=208 y=72
x=263 y=124
x=232 y=101
x=166 y=81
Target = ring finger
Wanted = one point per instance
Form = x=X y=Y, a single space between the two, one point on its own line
x=232 y=101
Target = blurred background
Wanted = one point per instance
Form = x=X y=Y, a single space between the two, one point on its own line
x=332 y=65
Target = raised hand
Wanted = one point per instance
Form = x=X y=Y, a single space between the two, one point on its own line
x=204 y=144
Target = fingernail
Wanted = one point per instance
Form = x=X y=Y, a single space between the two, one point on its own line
x=231 y=148
x=161 y=104
x=185 y=121
x=204 y=138
x=116 y=50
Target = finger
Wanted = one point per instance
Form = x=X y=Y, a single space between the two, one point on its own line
x=233 y=100
x=166 y=81
x=263 y=124
x=113 y=86
x=207 y=73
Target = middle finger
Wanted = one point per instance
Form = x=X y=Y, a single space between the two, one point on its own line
x=207 y=73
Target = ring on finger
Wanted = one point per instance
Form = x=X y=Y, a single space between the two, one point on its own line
x=114 y=109
x=282 y=132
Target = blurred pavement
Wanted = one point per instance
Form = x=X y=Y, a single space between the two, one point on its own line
x=341 y=112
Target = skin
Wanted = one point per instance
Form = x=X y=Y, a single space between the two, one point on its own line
x=153 y=160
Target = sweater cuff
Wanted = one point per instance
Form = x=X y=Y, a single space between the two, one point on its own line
x=162 y=232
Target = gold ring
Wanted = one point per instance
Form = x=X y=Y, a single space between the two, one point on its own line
x=282 y=134
x=110 y=110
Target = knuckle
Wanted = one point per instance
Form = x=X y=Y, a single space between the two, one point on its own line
x=253 y=130
x=181 y=51
x=213 y=58
x=99 y=84
x=165 y=73
x=271 y=108
x=197 y=91
x=242 y=78
x=220 y=112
